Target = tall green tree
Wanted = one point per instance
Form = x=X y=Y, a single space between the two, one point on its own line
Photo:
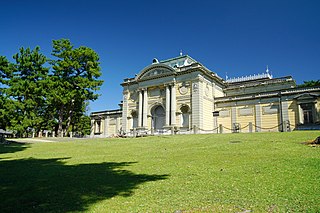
x=26 y=89
x=74 y=81
x=5 y=102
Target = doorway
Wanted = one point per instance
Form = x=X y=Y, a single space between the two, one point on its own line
x=308 y=113
x=158 y=117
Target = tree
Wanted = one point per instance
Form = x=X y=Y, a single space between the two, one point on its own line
x=26 y=90
x=31 y=98
x=83 y=125
x=74 y=82
x=5 y=74
x=311 y=83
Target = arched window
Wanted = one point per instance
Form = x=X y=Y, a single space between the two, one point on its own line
x=185 y=115
x=134 y=115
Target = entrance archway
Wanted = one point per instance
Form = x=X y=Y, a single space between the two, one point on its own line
x=158 y=117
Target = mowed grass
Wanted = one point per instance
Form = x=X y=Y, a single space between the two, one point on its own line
x=259 y=172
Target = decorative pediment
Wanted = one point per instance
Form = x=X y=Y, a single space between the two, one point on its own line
x=306 y=96
x=155 y=70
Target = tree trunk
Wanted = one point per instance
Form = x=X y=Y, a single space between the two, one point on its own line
x=70 y=115
x=60 y=128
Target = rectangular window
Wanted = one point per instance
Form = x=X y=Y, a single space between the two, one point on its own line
x=272 y=109
x=224 y=113
x=246 y=111
x=98 y=127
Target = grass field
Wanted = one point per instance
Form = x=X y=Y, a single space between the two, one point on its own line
x=259 y=172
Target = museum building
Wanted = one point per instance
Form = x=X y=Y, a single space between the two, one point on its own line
x=181 y=96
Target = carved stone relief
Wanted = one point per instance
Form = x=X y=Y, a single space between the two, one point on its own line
x=183 y=90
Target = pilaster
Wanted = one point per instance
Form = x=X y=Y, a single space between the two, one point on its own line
x=125 y=112
x=145 y=109
x=285 y=114
x=117 y=125
x=197 y=104
x=173 y=105
x=258 y=117
x=167 y=105
x=106 y=126
x=300 y=111
x=214 y=120
x=233 y=115
x=140 y=109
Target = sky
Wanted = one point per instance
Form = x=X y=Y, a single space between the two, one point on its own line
x=234 y=38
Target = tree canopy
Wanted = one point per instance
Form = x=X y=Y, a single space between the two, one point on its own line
x=40 y=93
x=311 y=83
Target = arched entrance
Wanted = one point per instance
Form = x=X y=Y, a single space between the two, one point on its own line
x=158 y=117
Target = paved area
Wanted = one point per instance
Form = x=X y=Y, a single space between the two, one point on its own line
x=44 y=140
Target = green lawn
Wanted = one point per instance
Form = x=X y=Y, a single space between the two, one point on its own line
x=260 y=172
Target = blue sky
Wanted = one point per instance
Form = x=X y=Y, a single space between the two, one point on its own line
x=234 y=37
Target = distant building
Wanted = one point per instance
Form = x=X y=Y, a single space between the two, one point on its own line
x=181 y=96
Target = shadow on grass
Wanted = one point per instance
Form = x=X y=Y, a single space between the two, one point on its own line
x=48 y=185
x=12 y=147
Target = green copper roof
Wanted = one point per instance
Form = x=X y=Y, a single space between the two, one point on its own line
x=176 y=58
x=179 y=61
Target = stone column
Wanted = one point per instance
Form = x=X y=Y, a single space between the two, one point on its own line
x=173 y=105
x=301 y=118
x=196 y=104
x=125 y=109
x=106 y=126
x=258 y=117
x=117 y=125
x=145 y=108
x=300 y=114
x=92 y=128
x=285 y=115
x=300 y=111
x=167 y=105
x=233 y=116
x=140 y=109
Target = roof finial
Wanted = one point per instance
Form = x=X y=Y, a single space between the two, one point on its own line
x=267 y=70
x=180 y=52
x=226 y=76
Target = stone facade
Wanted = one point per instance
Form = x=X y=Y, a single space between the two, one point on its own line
x=181 y=96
